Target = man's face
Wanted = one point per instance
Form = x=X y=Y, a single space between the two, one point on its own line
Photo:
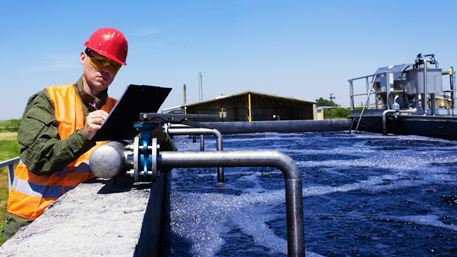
x=95 y=79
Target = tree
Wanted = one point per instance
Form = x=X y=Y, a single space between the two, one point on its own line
x=331 y=113
x=324 y=102
x=13 y=125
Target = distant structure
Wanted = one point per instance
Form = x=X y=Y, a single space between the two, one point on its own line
x=251 y=106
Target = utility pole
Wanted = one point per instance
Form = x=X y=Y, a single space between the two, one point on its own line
x=332 y=96
x=200 y=82
x=184 y=93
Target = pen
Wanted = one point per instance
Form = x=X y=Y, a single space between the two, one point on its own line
x=93 y=106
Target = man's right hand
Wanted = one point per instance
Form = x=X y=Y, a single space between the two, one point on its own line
x=93 y=123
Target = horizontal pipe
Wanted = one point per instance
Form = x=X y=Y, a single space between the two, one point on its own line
x=231 y=159
x=290 y=170
x=283 y=126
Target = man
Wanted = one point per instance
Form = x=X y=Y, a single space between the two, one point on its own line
x=58 y=124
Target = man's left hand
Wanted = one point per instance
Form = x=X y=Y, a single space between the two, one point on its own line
x=158 y=131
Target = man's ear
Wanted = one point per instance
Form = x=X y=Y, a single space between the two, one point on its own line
x=82 y=57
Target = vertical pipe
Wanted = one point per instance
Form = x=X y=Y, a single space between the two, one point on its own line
x=389 y=81
x=351 y=94
x=368 y=90
x=454 y=90
x=424 y=100
x=202 y=143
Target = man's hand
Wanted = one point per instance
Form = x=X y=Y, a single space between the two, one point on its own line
x=93 y=123
x=158 y=131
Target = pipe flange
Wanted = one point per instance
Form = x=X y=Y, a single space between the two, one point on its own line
x=154 y=160
x=136 y=158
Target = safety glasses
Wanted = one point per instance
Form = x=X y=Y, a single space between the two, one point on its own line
x=101 y=62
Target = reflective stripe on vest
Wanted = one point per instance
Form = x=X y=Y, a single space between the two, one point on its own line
x=31 y=193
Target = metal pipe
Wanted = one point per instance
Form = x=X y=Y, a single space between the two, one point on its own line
x=290 y=170
x=368 y=90
x=10 y=163
x=361 y=77
x=202 y=143
x=351 y=93
x=454 y=91
x=201 y=131
x=198 y=131
x=109 y=159
x=425 y=89
x=384 y=118
x=175 y=126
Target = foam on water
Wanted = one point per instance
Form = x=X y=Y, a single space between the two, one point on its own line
x=364 y=195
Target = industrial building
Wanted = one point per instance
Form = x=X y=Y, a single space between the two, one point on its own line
x=251 y=106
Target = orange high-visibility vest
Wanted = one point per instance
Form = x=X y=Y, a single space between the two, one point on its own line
x=30 y=193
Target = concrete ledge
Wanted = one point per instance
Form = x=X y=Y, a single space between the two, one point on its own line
x=286 y=126
x=97 y=218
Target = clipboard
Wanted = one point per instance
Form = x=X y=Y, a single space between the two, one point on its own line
x=135 y=99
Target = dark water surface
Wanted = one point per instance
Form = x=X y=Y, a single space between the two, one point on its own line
x=363 y=195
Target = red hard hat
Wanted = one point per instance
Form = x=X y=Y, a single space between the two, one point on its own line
x=110 y=43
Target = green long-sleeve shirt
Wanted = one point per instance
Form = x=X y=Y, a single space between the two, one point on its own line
x=41 y=149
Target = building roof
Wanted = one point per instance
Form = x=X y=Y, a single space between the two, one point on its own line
x=245 y=93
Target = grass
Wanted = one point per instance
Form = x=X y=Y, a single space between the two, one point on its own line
x=9 y=148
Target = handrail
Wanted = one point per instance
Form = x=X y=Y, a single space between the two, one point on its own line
x=10 y=163
x=368 y=89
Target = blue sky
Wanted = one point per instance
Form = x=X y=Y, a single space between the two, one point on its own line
x=302 y=49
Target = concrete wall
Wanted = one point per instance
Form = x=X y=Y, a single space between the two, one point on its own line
x=97 y=218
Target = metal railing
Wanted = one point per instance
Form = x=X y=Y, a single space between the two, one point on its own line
x=10 y=163
x=368 y=92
